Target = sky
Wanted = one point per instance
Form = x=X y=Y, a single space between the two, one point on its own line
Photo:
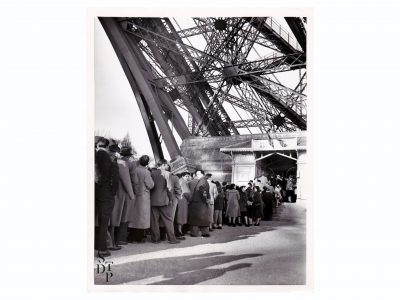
x=116 y=110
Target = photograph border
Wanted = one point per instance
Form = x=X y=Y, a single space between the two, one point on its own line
x=201 y=11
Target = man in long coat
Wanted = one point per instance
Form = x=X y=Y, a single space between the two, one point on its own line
x=104 y=198
x=160 y=205
x=140 y=213
x=176 y=197
x=125 y=196
x=198 y=213
x=131 y=163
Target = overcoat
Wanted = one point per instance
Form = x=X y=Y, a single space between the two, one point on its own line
x=243 y=201
x=268 y=198
x=198 y=207
x=131 y=164
x=159 y=195
x=219 y=201
x=232 y=204
x=258 y=205
x=182 y=208
x=140 y=214
x=176 y=193
x=124 y=195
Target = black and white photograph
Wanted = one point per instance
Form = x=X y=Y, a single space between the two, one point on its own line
x=192 y=150
x=201 y=166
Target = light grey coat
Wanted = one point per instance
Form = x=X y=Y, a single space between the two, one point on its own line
x=140 y=213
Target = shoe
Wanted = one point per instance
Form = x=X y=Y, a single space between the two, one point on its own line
x=192 y=235
x=115 y=248
x=210 y=229
x=247 y=225
x=122 y=243
x=240 y=224
x=181 y=237
x=103 y=254
x=205 y=235
x=156 y=242
x=219 y=227
x=233 y=225
x=173 y=242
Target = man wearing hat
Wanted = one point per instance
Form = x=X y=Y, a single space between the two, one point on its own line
x=114 y=150
x=123 y=201
x=104 y=197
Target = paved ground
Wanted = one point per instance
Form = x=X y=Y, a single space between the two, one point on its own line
x=273 y=253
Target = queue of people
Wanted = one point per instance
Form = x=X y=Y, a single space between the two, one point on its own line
x=133 y=201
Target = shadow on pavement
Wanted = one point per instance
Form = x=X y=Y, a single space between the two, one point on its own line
x=184 y=270
x=198 y=276
x=227 y=234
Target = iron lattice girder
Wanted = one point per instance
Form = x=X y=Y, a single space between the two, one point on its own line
x=292 y=110
x=275 y=33
x=165 y=45
x=269 y=65
x=209 y=22
x=127 y=53
x=269 y=111
x=277 y=94
x=176 y=62
x=205 y=93
x=249 y=123
x=299 y=31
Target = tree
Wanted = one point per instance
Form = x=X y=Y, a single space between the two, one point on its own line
x=126 y=141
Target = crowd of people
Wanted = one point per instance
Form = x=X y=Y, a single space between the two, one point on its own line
x=133 y=200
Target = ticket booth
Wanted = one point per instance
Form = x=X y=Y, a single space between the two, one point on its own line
x=284 y=154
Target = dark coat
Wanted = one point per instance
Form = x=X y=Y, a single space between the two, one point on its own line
x=243 y=201
x=198 y=213
x=219 y=201
x=268 y=198
x=103 y=191
x=159 y=194
x=103 y=163
x=182 y=209
x=258 y=205
x=114 y=177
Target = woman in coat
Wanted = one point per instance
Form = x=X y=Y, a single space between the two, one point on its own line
x=140 y=213
x=232 y=204
x=257 y=205
x=250 y=208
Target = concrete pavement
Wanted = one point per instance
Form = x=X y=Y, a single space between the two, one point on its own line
x=271 y=254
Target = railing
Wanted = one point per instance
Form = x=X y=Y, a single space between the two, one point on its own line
x=283 y=33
